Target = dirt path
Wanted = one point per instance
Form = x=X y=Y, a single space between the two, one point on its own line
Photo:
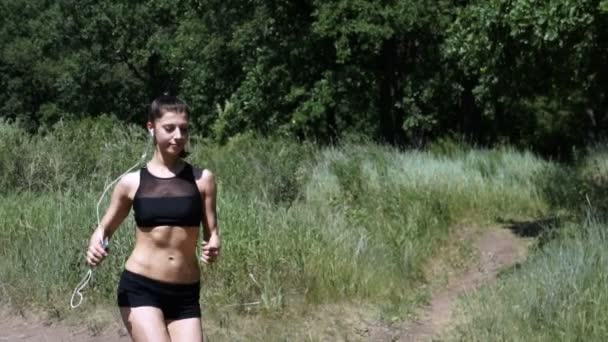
x=497 y=249
x=16 y=327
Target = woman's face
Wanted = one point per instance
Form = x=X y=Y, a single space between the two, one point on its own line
x=171 y=132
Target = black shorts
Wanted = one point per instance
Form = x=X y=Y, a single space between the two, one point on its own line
x=176 y=301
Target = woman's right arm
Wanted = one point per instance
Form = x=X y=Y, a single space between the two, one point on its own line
x=120 y=205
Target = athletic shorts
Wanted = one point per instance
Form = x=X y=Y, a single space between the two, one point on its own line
x=176 y=301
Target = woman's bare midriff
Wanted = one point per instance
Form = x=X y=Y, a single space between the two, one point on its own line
x=166 y=253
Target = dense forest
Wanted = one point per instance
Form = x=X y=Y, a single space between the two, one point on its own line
x=529 y=73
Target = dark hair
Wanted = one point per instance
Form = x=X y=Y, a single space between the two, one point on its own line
x=164 y=104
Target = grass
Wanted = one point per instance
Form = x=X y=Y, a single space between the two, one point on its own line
x=303 y=227
x=558 y=295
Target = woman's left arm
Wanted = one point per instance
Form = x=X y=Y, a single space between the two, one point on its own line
x=211 y=236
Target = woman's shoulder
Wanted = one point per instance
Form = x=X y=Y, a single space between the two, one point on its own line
x=200 y=173
x=129 y=183
x=203 y=177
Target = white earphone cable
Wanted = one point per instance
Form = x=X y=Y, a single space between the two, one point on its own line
x=104 y=243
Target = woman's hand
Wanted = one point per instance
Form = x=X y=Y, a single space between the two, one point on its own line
x=211 y=249
x=97 y=251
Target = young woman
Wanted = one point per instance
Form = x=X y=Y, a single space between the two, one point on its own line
x=158 y=292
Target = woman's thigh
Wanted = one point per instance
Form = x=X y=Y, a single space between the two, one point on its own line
x=185 y=330
x=145 y=323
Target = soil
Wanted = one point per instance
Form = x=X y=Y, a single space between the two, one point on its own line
x=498 y=249
x=19 y=326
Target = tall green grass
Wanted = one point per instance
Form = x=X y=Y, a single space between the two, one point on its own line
x=300 y=223
x=558 y=295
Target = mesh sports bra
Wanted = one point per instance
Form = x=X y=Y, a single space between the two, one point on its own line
x=173 y=201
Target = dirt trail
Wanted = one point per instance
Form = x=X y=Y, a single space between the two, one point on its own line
x=497 y=249
x=16 y=327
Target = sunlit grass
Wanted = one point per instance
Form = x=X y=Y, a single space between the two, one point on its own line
x=301 y=224
x=558 y=295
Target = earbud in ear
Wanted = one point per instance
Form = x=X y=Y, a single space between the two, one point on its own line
x=151 y=132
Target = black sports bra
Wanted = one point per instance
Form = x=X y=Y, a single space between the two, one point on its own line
x=173 y=201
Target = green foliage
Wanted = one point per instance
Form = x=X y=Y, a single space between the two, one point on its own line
x=300 y=223
x=580 y=188
x=272 y=170
x=73 y=153
x=13 y=143
x=594 y=181
x=560 y=185
x=558 y=294
x=403 y=72
x=308 y=69
x=448 y=146
x=534 y=69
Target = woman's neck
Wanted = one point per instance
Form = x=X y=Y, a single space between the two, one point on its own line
x=171 y=163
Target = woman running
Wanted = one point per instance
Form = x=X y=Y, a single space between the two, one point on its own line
x=158 y=292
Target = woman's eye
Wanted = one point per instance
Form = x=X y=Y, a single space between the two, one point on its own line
x=171 y=128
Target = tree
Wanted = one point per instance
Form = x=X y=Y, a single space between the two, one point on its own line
x=536 y=68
